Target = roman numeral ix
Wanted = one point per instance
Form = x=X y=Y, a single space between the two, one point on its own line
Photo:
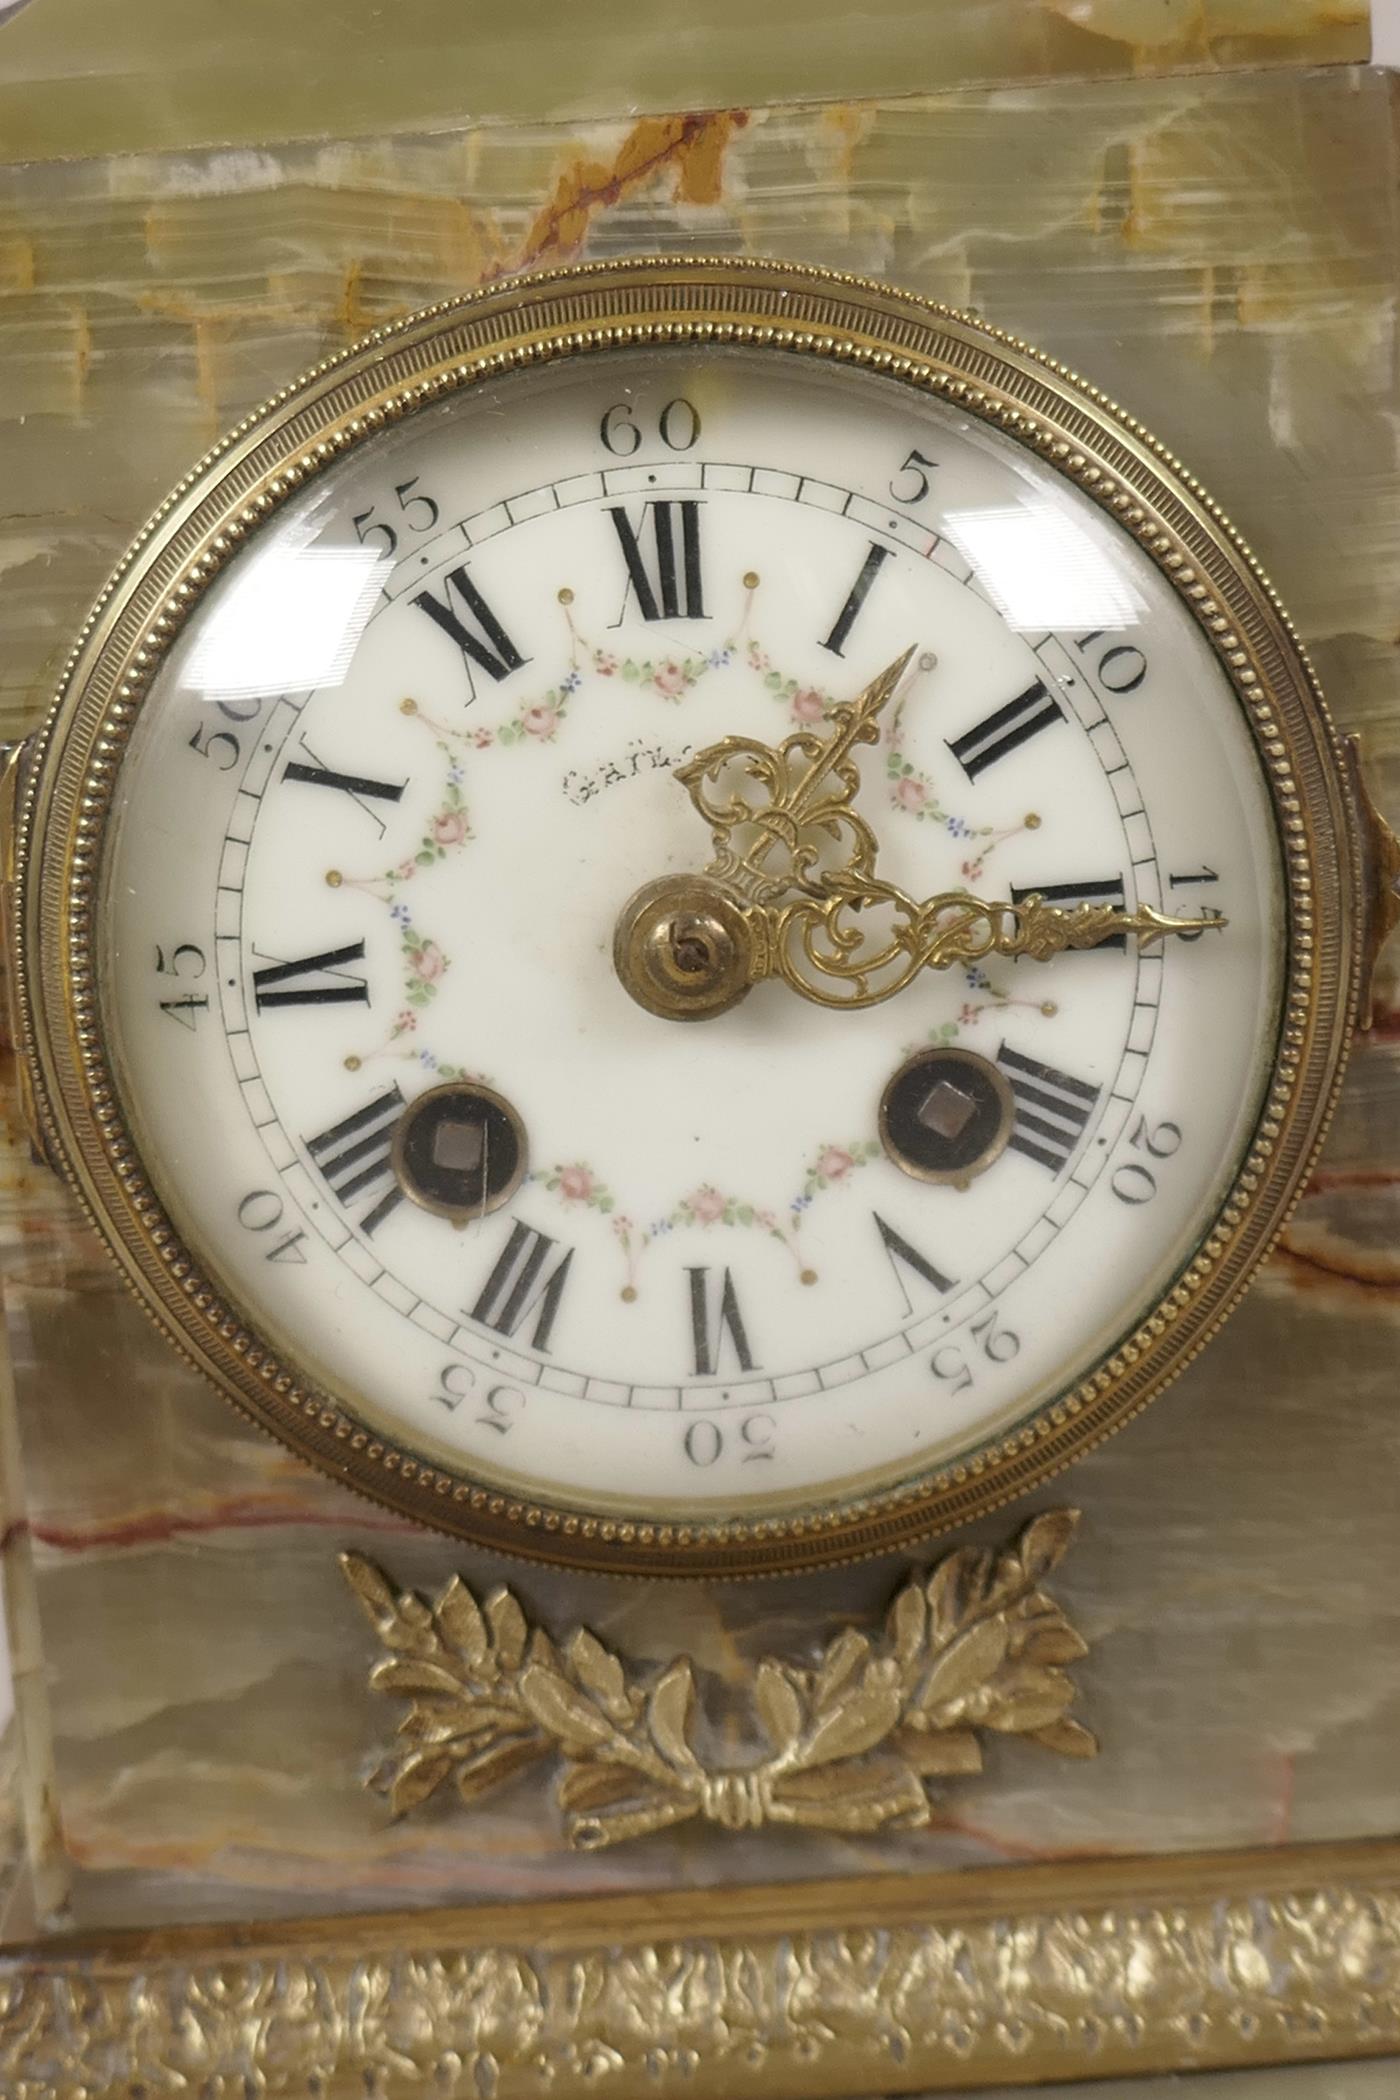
x=1007 y=729
x=1052 y=1109
x=313 y=980
x=664 y=574
x=355 y=1157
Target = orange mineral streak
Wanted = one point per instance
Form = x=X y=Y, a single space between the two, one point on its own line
x=692 y=146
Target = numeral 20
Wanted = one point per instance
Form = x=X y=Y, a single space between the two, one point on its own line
x=1134 y=1183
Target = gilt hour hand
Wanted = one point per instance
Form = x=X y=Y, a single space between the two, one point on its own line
x=792 y=890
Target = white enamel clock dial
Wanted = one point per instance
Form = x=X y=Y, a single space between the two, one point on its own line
x=409 y=759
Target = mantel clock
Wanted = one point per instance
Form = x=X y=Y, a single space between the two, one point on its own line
x=676 y=930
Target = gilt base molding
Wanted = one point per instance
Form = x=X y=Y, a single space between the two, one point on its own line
x=892 y=1983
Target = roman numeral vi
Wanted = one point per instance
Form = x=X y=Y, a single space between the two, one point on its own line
x=714 y=1319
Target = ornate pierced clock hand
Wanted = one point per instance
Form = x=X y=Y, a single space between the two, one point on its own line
x=821 y=919
x=808 y=782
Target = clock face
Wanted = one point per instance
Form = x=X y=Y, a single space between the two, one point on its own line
x=438 y=752
x=419 y=747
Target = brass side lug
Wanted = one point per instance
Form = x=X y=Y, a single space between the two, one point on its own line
x=1380 y=868
x=14 y=766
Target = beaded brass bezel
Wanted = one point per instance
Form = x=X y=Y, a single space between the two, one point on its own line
x=64 y=796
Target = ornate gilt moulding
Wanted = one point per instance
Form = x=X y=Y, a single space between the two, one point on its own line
x=901 y=1984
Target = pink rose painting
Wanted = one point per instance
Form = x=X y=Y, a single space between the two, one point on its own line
x=669 y=679
x=428 y=962
x=835 y=1163
x=910 y=794
x=807 y=705
x=450 y=827
x=576 y=1184
x=541 y=720
x=706 y=1206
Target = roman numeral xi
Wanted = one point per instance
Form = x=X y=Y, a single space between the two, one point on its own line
x=466 y=618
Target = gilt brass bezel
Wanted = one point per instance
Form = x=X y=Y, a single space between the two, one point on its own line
x=65 y=796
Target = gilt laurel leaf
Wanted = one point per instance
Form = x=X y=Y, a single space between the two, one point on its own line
x=779 y=1706
x=965 y=1665
x=402 y=1673
x=374 y=1591
x=461 y=1624
x=417 y=1777
x=1035 y=1703
x=494 y=1766
x=508 y=1629
x=1068 y=1737
x=906 y=1624
x=568 y=1715
x=941 y=1754
x=1045 y=1542
x=669 y=1712
x=584 y=1788
x=598 y=1671
x=1055 y=1643
x=864 y=1718
x=849 y=1652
